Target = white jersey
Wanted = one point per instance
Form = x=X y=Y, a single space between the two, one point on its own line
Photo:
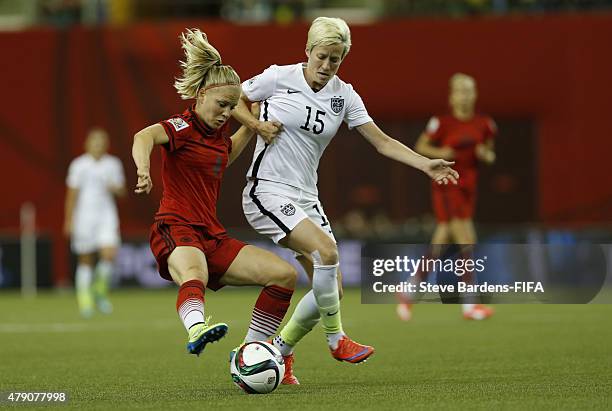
x=310 y=120
x=91 y=178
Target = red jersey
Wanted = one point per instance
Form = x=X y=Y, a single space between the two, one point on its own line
x=462 y=137
x=193 y=162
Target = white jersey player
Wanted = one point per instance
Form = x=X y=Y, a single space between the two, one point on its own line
x=310 y=120
x=91 y=219
x=289 y=166
x=303 y=105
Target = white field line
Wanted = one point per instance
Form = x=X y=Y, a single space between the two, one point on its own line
x=10 y=328
x=93 y=326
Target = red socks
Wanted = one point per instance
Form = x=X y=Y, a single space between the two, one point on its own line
x=190 y=303
x=269 y=311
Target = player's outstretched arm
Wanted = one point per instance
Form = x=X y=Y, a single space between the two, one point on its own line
x=438 y=170
x=268 y=130
x=426 y=147
x=143 y=144
x=241 y=138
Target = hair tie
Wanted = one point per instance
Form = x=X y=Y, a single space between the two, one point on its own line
x=220 y=85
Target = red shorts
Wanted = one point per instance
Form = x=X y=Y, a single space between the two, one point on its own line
x=220 y=252
x=453 y=202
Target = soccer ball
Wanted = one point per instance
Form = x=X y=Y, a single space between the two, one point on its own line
x=257 y=368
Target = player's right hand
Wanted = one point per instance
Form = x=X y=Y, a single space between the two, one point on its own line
x=145 y=184
x=441 y=172
x=484 y=154
x=269 y=130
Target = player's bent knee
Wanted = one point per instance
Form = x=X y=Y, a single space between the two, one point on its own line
x=108 y=254
x=285 y=276
x=194 y=273
x=326 y=254
x=441 y=234
x=86 y=259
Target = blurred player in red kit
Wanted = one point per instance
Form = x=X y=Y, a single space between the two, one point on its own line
x=190 y=245
x=467 y=138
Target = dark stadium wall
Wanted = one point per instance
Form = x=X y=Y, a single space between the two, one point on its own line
x=553 y=71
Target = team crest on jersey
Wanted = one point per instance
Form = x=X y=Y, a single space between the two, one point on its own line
x=178 y=123
x=288 y=209
x=337 y=104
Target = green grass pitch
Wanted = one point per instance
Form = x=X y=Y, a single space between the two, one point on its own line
x=525 y=357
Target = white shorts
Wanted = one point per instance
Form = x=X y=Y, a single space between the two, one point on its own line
x=274 y=209
x=93 y=233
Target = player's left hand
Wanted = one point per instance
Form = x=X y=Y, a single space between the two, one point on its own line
x=484 y=154
x=441 y=172
x=145 y=184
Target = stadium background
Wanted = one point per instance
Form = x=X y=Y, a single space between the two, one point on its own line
x=542 y=74
x=543 y=71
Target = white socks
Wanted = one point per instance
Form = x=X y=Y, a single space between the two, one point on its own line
x=84 y=275
x=83 y=281
x=325 y=289
x=104 y=270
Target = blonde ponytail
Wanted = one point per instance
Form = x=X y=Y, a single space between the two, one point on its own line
x=202 y=66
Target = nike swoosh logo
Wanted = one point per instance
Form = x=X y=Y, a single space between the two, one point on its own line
x=334 y=313
x=292 y=91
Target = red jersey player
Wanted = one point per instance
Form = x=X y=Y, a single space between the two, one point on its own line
x=189 y=243
x=465 y=137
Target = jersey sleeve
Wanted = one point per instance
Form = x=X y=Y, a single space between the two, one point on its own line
x=74 y=180
x=434 y=129
x=261 y=86
x=356 y=113
x=178 y=130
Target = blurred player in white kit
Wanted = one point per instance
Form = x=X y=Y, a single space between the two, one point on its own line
x=91 y=221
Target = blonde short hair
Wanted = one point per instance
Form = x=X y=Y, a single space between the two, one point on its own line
x=325 y=31
x=202 y=66
x=457 y=77
x=96 y=132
